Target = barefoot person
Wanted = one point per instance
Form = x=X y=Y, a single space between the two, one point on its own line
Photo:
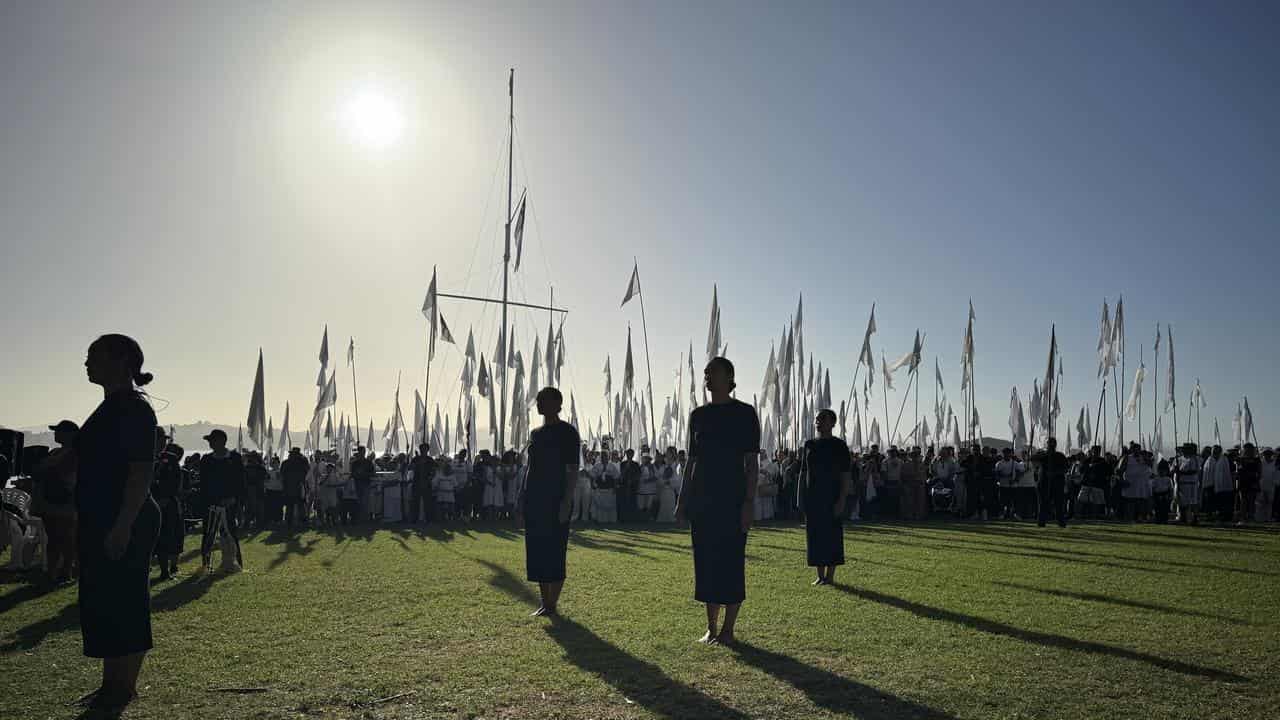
x=118 y=521
x=719 y=497
x=825 y=478
x=548 y=498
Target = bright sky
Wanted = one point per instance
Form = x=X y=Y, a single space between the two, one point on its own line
x=214 y=179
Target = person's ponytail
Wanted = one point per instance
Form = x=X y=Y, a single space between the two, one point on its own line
x=142 y=378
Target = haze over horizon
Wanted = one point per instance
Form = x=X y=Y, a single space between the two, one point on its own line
x=214 y=180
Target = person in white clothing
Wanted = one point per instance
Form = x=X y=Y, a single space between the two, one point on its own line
x=494 y=499
x=582 y=494
x=666 y=490
x=1217 y=475
x=604 y=498
x=1008 y=469
x=647 y=489
x=1186 y=480
x=446 y=483
x=1135 y=481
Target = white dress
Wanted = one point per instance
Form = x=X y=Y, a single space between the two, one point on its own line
x=666 y=494
x=493 y=495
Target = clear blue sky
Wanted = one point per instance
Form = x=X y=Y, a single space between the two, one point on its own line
x=182 y=175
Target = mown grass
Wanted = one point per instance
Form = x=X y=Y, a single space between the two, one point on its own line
x=928 y=621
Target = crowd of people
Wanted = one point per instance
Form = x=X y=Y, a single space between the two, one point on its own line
x=228 y=492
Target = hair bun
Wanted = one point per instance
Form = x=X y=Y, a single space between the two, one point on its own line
x=142 y=378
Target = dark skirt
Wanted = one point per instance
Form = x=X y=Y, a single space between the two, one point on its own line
x=824 y=536
x=115 y=595
x=719 y=556
x=172 y=528
x=544 y=552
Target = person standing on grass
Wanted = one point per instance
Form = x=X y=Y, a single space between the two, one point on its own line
x=1053 y=483
x=1248 y=483
x=115 y=455
x=1270 y=477
x=1186 y=480
x=719 y=497
x=554 y=451
x=825 y=480
x=1218 y=476
x=166 y=490
x=221 y=484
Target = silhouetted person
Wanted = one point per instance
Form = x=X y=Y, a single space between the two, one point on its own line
x=293 y=477
x=719 y=497
x=166 y=489
x=825 y=480
x=221 y=484
x=118 y=520
x=1053 y=483
x=548 y=498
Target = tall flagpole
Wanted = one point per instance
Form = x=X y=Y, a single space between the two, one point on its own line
x=354 y=398
x=644 y=324
x=506 y=253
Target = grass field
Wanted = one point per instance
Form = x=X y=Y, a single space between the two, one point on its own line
x=927 y=621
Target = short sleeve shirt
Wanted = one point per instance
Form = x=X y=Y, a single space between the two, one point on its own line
x=120 y=432
x=720 y=436
x=825 y=460
x=552 y=449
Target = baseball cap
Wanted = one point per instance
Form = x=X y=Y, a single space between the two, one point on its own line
x=65 y=426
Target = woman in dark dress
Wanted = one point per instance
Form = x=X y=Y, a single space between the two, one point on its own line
x=719 y=497
x=118 y=520
x=553 y=455
x=825 y=479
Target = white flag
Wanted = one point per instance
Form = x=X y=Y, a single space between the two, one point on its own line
x=351 y=352
x=257 y=421
x=484 y=384
x=1135 y=394
x=633 y=285
x=888 y=375
x=1106 y=356
x=445 y=335
x=864 y=356
x=608 y=379
x=1248 y=422
x=519 y=231
x=470 y=351
x=286 y=440
x=431 y=310
x=324 y=348
x=714 y=339
x=1169 y=400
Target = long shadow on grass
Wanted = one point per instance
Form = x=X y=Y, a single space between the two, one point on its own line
x=639 y=681
x=293 y=547
x=953 y=546
x=1047 y=639
x=1094 y=597
x=834 y=692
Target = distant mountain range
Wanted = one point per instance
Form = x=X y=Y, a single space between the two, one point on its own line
x=189 y=436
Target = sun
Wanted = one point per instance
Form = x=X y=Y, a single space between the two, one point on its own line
x=372 y=119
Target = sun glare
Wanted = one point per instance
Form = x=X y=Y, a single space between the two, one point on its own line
x=372 y=119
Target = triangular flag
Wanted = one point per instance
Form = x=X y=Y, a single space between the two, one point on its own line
x=633 y=285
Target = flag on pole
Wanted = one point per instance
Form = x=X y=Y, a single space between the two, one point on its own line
x=351 y=351
x=1106 y=350
x=888 y=376
x=324 y=348
x=500 y=353
x=864 y=356
x=608 y=379
x=470 y=352
x=257 y=421
x=1197 y=396
x=1135 y=393
x=484 y=385
x=369 y=443
x=445 y=335
x=431 y=310
x=714 y=339
x=1247 y=429
x=1169 y=400
x=628 y=371
x=286 y=440
x=1082 y=437
x=633 y=285
x=519 y=231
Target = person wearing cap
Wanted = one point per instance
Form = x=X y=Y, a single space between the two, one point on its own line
x=166 y=488
x=221 y=484
x=1186 y=481
x=719 y=497
x=57 y=506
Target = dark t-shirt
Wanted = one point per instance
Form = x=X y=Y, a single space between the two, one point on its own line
x=825 y=459
x=424 y=469
x=221 y=478
x=552 y=449
x=1053 y=465
x=1097 y=473
x=362 y=471
x=720 y=436
x=1248 y=473
x=293 y=475
x=121 y=431
x=167 y=483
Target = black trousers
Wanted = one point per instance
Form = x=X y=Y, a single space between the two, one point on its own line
x=421 y=505
x=1053 y=500
x=293 y=511
x=1161 y=503
x=981 y=495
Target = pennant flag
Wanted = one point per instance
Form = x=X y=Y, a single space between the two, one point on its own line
x=875 y=432
x=1106 y=350
x=1217 y=437
x=500 y=353
x=633 y=285
x=1197 y=396
x=324 y=348
x=329 y=396
x=239 y=438
x=431 y=310
x=628 y=369
x=937 y=373
x=470 y=352
x=351 y=352
x=257 y=421
x=533 y=375
x=608 y=379
x=519 y=231
x=369 y=443
x=550 y=348
x=1169 y=400
x=1247 y=431
x=1082 y=437
x=888 y=376
x=1117 y=330
x=271 y=434
x=1135 y=393
x=286 y=440
x=1050 y=378
x=864 y=356
x=328 y=427
x=445 y=335
x=714 y=339
x=484 y=385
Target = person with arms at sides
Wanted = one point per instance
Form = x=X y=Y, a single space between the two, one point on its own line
x=553 y=455
x=1186 y=482
x=58 y=502
x=825 y=482
x=221 y=482
x=1053 y=483
x=166 y=489
x=422 y=505
x=1248 y=483
x=719 y=497
x=293 y=478
x=362 y=471
x=1218 y=476
x=118 y=521
x=1270 y=481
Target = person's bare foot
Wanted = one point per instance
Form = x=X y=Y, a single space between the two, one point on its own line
x=708 y=638
x=724 y=638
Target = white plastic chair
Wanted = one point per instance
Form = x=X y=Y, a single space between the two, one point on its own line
x=25 y=533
